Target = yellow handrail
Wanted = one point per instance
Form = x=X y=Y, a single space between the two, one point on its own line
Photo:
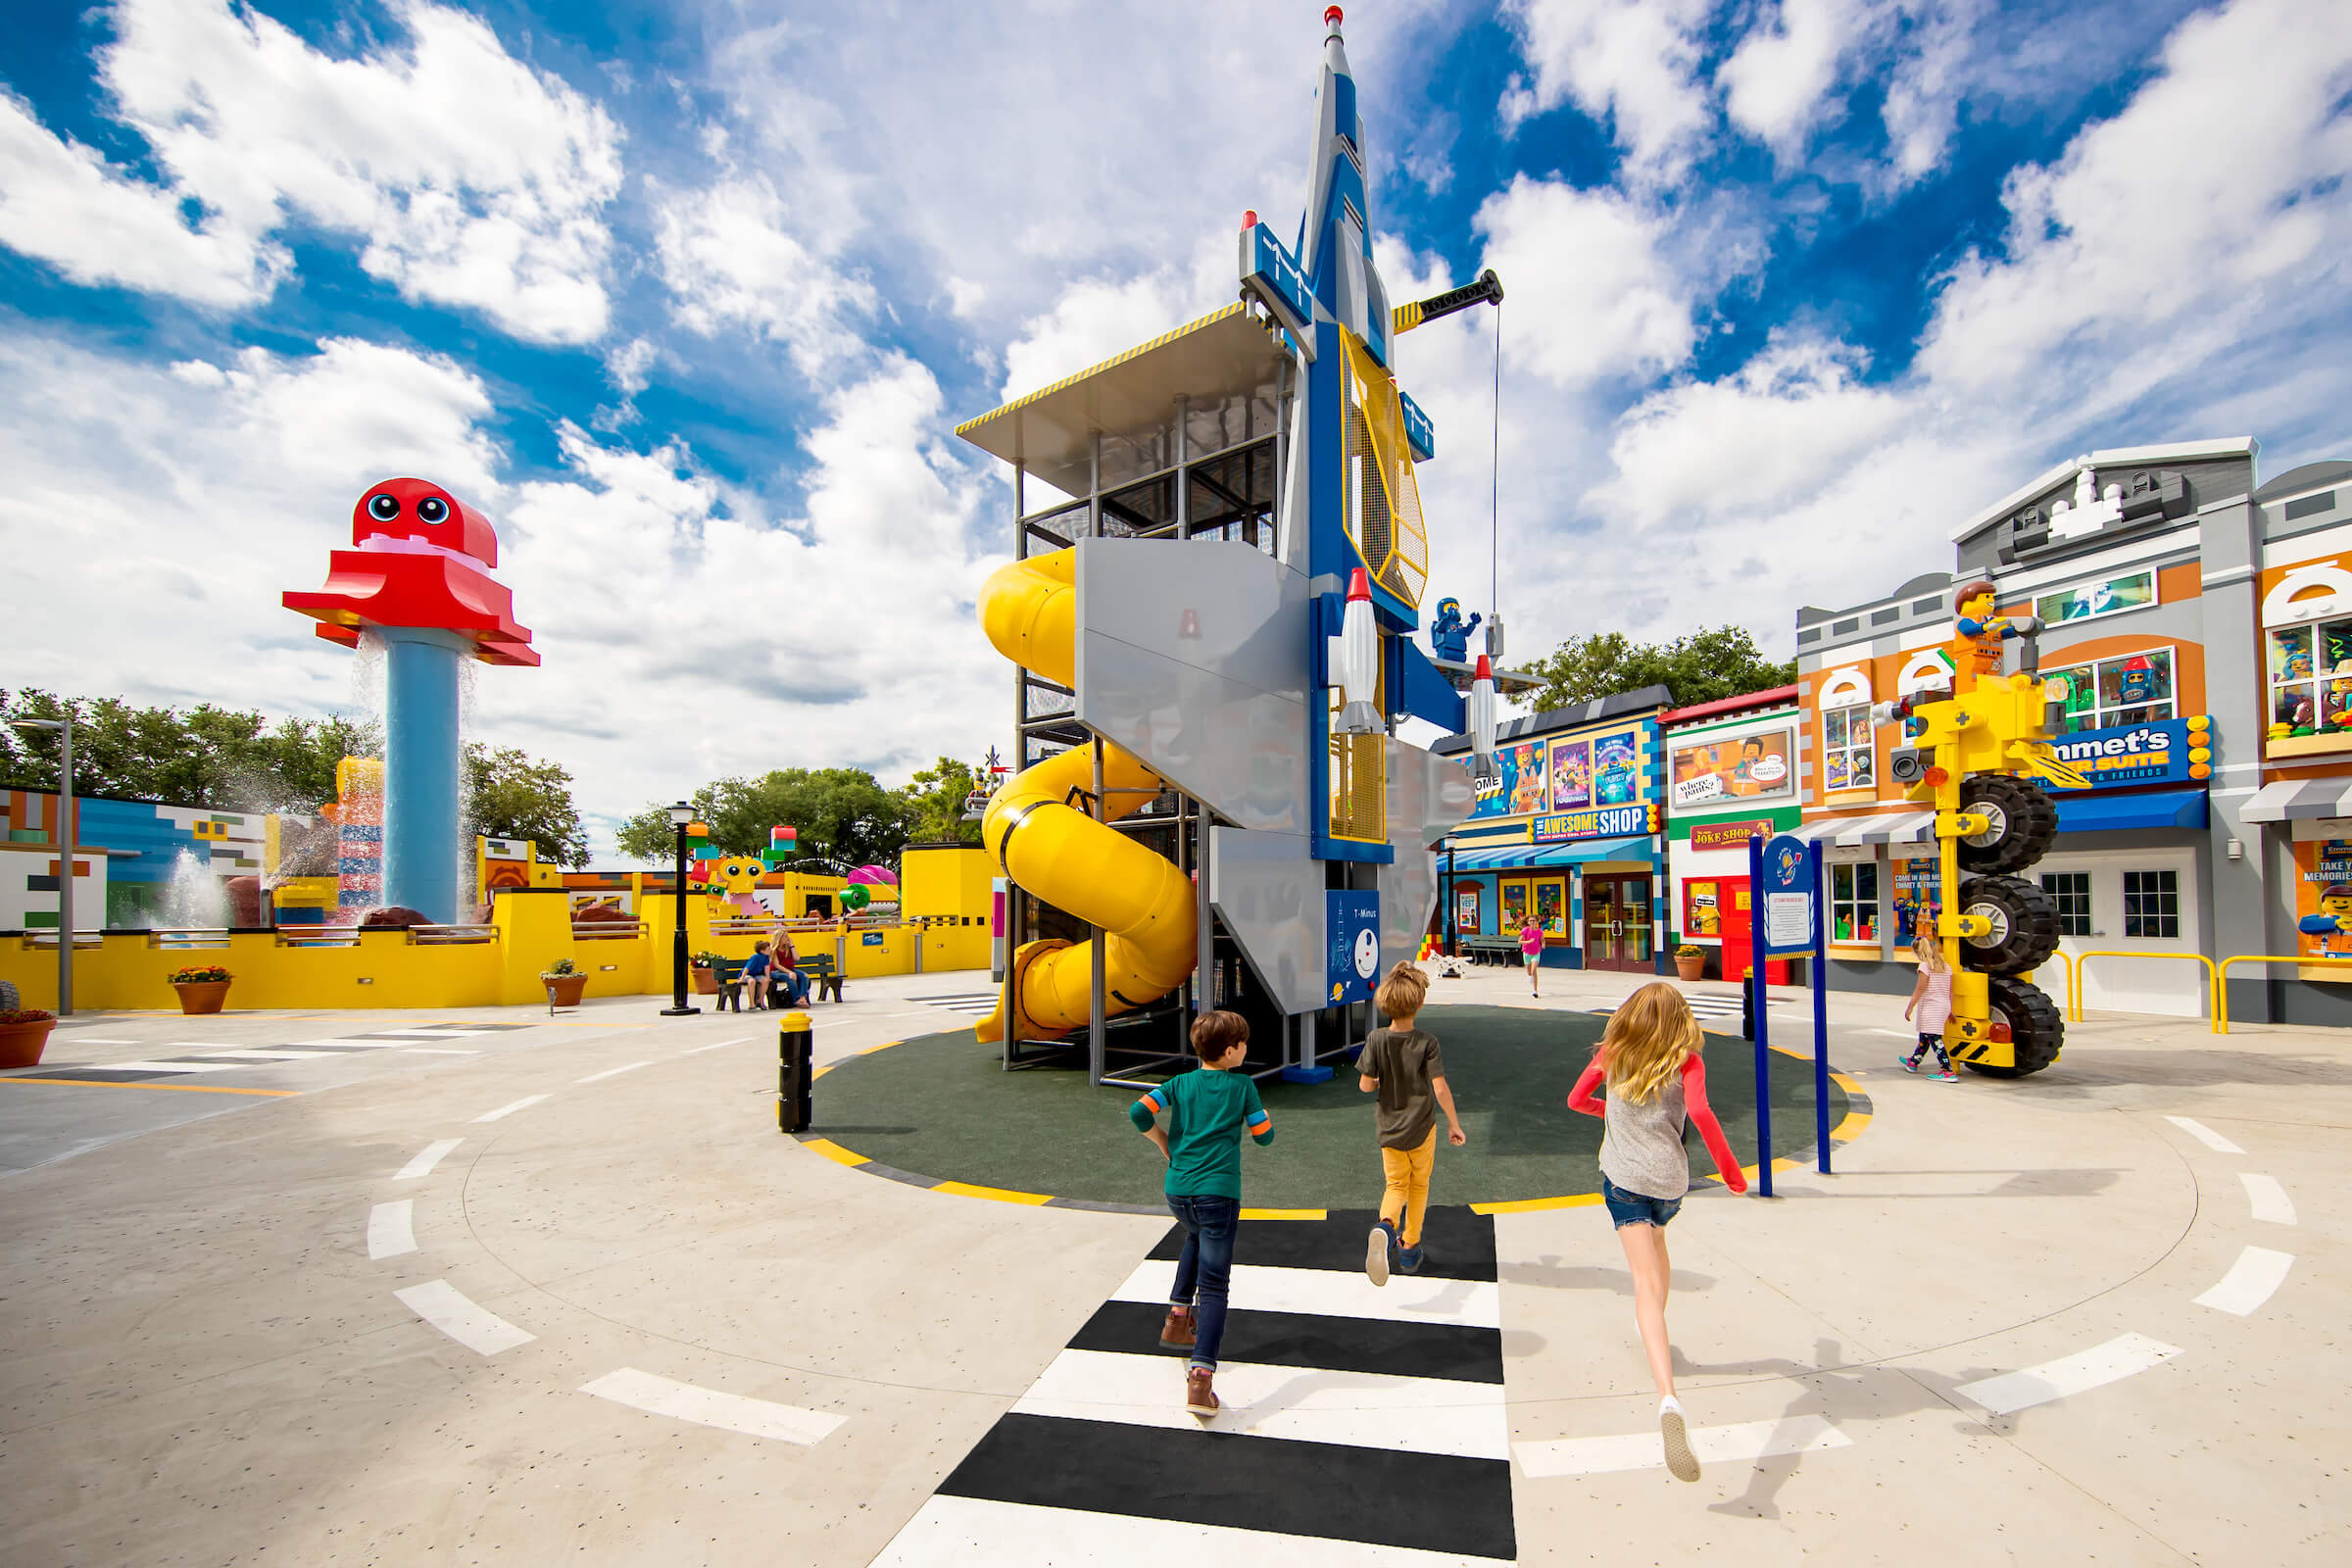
x=2221 y=991
x=2066 y=966
x=2212 y=977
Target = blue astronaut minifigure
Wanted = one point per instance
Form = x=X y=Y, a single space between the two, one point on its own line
x=1450 y=634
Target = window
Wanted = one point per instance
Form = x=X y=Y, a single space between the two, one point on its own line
x=2071 y=892
x=1847 y=755
x=2090 y=599
x=1854 y=903
x=2129 y=689
x=2311 y=677
x=2151 y=904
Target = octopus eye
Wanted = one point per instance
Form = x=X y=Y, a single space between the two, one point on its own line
x=383 y=508
x=432 y=508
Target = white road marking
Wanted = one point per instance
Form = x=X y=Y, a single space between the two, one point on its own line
x=1332 y=1293
x=2205 y=1135
x=2258 y=1272
x=434 y=1050
x=1741 y=1440
x=479 y=1329
x=422 y=1165
x=612 y=1073
x=356 y=1044
x=714 y=1045
x=524 y=1103
x=93 y=1039
x=165 y=1066
x=271 y=1056
x=1894 y=1034
x=2101 y=1364
x=730 y=1412
x=391 y=1229
x=425 y=1034
x=1360 y=1409
x=2266 y=1199
x=974 y=1533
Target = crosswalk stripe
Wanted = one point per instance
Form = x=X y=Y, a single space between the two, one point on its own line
x=1645 y=1451
x=1328 y=1294
x=1360 y=1409
x=171 y=1066
x=981 y=1533
x=2101 y=1364
x=270 y=1056
x=710 y=1407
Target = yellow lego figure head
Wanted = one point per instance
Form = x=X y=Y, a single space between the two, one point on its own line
x=1975 y=601
x=2337 y=900
x=737 y=875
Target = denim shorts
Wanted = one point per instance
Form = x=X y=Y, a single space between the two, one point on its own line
x=1636 y=1208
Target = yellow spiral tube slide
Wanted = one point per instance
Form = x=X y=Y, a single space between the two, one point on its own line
x=1038 y=827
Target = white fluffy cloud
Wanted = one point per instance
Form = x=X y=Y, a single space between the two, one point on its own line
x=468 y=178
x=1633 y=63
x=687 y=631
x=1589 y=282
x=1777 y=83
x=732 y=260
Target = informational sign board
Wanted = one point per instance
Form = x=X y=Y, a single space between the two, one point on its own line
x=1352 y=964
x=1789 y=897
x=2131 y=753
x=1608 y=823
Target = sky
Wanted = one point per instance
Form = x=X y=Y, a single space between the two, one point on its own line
x=686 y=296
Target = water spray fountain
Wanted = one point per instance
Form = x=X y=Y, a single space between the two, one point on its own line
x=413 y=583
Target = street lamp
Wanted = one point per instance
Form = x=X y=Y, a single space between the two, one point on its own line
x=65 y=853
x=680 y=816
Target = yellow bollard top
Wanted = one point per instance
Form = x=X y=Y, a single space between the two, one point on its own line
x=793 y=1023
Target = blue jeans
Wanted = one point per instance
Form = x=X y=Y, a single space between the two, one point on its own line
x=1204 y=1268
x=791 y=983
x=1636 y=1208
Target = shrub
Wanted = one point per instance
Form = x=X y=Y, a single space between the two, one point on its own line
x=705 y=959
x=26 y=1015
x=197 y=975
x=1690 y=950
x=561 y=966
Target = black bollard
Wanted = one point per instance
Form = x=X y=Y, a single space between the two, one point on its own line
x=1748 y=1005
x=795 y=1051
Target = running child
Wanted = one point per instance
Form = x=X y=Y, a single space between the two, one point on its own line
x=1931 y=999
x=1401 y=1065
x=1531 y=948
x=1649 y=1056
x=1207 y=1109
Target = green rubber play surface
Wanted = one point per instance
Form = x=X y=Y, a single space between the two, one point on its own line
x=940 y=1107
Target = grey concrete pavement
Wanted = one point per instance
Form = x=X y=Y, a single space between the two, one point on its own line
x=209 y=1365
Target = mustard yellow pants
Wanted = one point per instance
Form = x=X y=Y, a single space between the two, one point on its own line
x=1407 y=1197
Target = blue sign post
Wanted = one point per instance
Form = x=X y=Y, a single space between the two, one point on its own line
x=1786 y=878
x=1350 y=964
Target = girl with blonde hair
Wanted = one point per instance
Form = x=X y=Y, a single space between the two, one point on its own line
x=1932 y=1000
x=1656 y=1079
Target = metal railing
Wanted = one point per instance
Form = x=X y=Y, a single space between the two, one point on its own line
x=606 y=930
x=178 y=937
x=2221 y=987
x=318 y=936
x=2082 y=961
x=450 y=936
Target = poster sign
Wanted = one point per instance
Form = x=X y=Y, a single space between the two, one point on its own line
x=1616 y=770
x=1614 y=822
x=2130 y=753
x=2323 y=900
x=1465 y=910
x=1789 y=897
x=1571 y=776
x=1917 y=891
x=1751 y=767
x=1520 y=791
x=1353 y=960
x=1728 y=834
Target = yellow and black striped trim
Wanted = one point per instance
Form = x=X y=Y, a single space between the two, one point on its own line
x=971 y=424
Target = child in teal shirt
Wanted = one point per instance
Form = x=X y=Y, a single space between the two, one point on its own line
x=1207 y=1110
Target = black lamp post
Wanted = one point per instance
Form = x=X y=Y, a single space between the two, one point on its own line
x=680 y=816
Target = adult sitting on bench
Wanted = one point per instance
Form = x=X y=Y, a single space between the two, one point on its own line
x=788 y=986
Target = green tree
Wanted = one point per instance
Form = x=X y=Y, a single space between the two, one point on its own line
x=512 y=795
x=842 y=812
x=1700 y=666
x=934 y=800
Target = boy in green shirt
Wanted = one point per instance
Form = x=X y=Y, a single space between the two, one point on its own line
x=1207 y=1110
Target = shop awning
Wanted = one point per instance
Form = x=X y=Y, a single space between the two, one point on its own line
x=2101 y=814
x=2292 y=799
x=1530 y=856
x=1883 y=827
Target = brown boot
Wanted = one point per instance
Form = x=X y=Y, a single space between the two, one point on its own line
x=1178 y=1332
x=1199 y=1396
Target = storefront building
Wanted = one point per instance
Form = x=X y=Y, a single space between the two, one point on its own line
x=1570 y=832
x=2140 y=561
x=1733 y=770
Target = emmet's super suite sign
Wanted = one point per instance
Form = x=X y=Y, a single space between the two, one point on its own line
x=2130 y=753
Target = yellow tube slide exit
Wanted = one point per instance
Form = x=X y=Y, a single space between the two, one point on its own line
x=1039 y=829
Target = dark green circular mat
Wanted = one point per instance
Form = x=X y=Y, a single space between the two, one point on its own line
x=941 y=1106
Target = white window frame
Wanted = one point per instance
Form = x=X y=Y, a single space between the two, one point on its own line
x=2155 y=597
x=1850 y=873
x=2104 y=718
x=1867 y=751
x=2315 y=685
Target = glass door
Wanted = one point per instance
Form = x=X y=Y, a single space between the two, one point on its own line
x=1634 y=951
x=1601 y=921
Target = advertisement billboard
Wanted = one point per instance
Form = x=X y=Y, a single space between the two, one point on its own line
x=1751 y=767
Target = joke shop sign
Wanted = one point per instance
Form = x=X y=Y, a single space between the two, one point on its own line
x=1611 y=821
x=2134 y=753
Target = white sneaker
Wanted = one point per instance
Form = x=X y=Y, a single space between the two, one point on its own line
x=1679 y=1458
x=1376 y=1256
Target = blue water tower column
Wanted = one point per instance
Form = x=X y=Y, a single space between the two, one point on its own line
x=424 y=785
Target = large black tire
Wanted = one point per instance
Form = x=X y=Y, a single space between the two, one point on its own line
x=2025 y=925
x=2035 y=1030
x=2023 y=823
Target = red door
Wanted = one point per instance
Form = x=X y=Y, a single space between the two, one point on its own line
x=1738 y=935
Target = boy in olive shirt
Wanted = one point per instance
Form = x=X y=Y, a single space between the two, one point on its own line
x=1207 y=1110
x=1402 y=1065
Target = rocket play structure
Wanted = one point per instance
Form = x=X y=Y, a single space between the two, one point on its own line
x=413 y=578
x=1212 y=624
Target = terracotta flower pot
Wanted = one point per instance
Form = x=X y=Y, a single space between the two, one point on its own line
x=201 y=996
x=565 y=990
x=21 y=1043
x=706 y=980
x=1694 y=968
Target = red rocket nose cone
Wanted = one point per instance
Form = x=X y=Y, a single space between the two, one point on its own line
x=1486 y=670
x=1332 y=16
x=1360 y=586
x=1249 y=218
